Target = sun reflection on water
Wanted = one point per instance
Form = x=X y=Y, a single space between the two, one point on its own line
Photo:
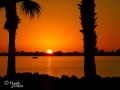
x=49 y=66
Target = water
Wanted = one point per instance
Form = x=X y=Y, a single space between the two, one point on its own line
x=106 y=66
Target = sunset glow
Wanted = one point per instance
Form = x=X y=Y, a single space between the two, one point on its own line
x=49 y=51
x=58 y=27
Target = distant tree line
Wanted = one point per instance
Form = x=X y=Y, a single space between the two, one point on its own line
x=60 y=53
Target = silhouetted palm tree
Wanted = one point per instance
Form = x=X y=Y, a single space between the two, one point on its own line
x=29 y=8
x=87 y=10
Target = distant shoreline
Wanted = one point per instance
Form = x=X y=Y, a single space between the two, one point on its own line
x=60 y=55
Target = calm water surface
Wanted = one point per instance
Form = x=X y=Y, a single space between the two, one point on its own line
x=106 y=66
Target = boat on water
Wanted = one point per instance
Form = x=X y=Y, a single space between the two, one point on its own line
x=35 y=57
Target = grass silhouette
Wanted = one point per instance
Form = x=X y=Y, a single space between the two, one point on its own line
x=45 y=82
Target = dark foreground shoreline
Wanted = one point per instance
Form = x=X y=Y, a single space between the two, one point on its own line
x=29 y=81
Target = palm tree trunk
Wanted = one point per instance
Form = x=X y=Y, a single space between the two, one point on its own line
x=89 y=51
x=87 y=10
x=11 y=25
x=11 y=54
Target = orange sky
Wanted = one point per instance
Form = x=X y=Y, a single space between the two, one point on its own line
x=58 y=27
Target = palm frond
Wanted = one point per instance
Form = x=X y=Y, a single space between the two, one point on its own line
x=30 y=8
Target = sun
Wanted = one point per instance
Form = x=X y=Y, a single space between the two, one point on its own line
x=49 y=51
